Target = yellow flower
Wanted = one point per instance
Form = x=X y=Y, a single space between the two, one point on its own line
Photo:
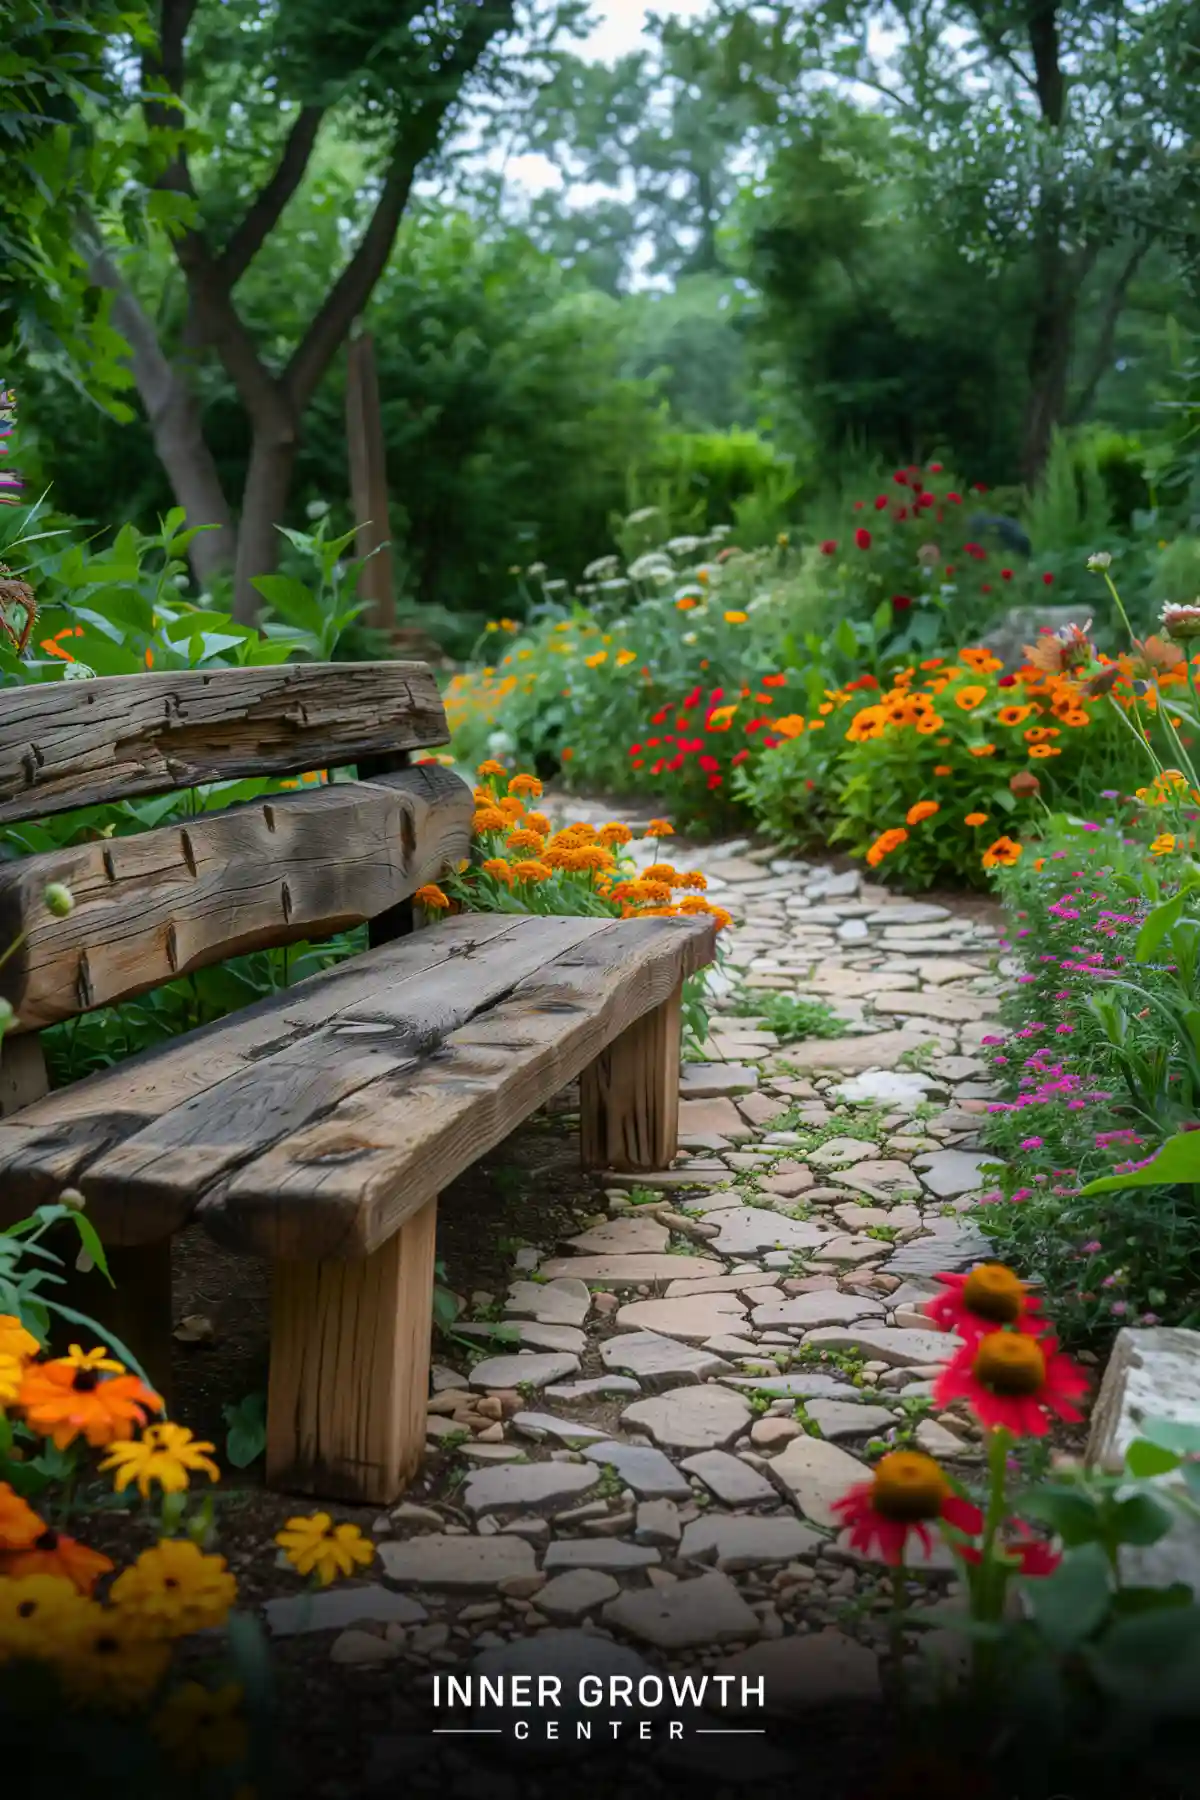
x=595 y=659
x=432 y=898
x=625 y=657
x=39 y=1616
x=174 y=1589
x=112 y=1662
x=98 y=1360
x=203 y=1726
x=15 y=1341
x=1163 y=844
x=736 y=618
x=316 y=1546
x=164 y=1454
x=12 y=1371
x=721 y=717
x=789 y=726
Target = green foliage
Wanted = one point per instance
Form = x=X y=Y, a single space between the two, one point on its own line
x=791 y=1018
x=246 y=1438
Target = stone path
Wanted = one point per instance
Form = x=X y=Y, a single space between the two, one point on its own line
x=688 y=1383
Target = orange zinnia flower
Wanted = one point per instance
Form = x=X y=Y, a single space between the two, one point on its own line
x=980 y=661
x=983 y=749
x=53 y=1554
x=975 y=818
x=64 y=1400
x=1002 y=854
x=19 y=1524
x=1045 y=750
x=929 y=723
x=943 y=769
x=870 y=723
x=1013 y=715
x=924 y=809
x=884 y=844
x=968 y=698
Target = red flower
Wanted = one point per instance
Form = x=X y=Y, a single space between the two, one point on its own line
x=954 y=499
x=773 y=680
x=635 y=749
x=1007 y=681
x=709 y=764
x=829 y=547
x=660 y=717
x=1012 y=1381
x=901 y=512
x=716 y=781
x=676 y=763
x=693 y=699
x=907 y=1494
x=739 y=756
x=925 y=500
x=858 y=505
x=986 y=588
x=1033 y=1555
x=978 y=1303
x=978 y=488
x=862 y=538
x=881 y=501
x=975 y=550
x=900 y=602
x=901 y=477
x=949 y=569
x=1006 y=574
x=1048 y=580
x=935 y=468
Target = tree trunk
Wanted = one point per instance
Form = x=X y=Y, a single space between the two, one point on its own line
x=264 y=503
x=1049 y=360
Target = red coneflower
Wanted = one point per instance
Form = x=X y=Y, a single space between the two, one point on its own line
x=1033 y=1556
x=907 y=1493
x=988 y=1297
x=1013 y=1382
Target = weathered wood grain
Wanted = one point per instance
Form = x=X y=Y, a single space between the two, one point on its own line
x=77 y=743
x=629 y=1096
x=350 y=1346
x=23 y=1077
x=162 y=904
x=343 y=1185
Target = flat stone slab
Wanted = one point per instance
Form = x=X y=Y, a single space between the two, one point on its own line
x=715 y=1081
x=881 y=1177
x=576 y=1592
x=631 y=1235
x=335 y=1609
x=527 y=1487
x=848 y=1055
x=936 y=1003
x=956 y=1247
x=800 y=1386
x=737 y=1543
x=459 y=1564
x=611 y=1554
x=708 y=1610
x=513 y=1371
x=909 y=912
x=627 y=1271
x=800 y=1673
x=528 y=1334
x=747 y=1281
x=649 y=1472
x=539 y=1425
x=733 y=1481
x=899 y=1346
x=693 y=1320
x=745 y=1229
x=549 y=1302
x=594 y=1386
x=816 y=1474
x=718 y=1118
x=691 y=1418
x=836 y=1151
x=937 y=969
x=884 y=1087
x=841 y=1418
x=948 y=1173
x=659 y=1362
x=788 y=1184
x=811 y=1310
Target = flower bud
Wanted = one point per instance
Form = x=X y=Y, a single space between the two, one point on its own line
x=1099 y=561
x=1181 y=621
x=73 y=1198
x=1025 y=784
x=59 y=900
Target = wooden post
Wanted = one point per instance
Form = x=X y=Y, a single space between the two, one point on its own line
x=350 y=1347
x=629 y=1097
x=23 y=1077
x=137 y=1308
x=368 y=481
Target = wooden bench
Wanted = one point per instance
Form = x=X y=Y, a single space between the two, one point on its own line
x=315 y=1128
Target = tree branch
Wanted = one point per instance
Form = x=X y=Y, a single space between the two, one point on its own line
x=1049 y=83
x=353 y=288
x=263 y=213
x=1102 y=356
x=994 y=42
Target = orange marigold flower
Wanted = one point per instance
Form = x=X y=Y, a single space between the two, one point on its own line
x=692 y=878
x=924 y=809
x=584 y=833
x=614 y=834
x=489 y=819
x=491 y=768
x=983 y=749
x=537 y=821
x=979 y=661
x=498 y=869
x=511 y=806
x=884 y=844
x=976 y=818
x=526 y=784
x=686 y=602
x=1002 y=854
x=942 y=769
x=52 y=1553
x=661 y=872
x=657 y=892
x=968 y=698
x=693 y=903
x=64 y=1401
x=432 y=898
x=870 y=722
x=589 y=856
x=531 y=871
x=659 y=828
x=527 y=840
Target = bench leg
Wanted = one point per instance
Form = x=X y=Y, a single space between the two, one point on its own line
x=349 y=1381
x=137 y=1309
x=629 y=1097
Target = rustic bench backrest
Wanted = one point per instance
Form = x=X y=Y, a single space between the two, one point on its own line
x=162 y=903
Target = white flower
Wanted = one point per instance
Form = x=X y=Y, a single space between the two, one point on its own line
x=1181 y=619
x=500 y=744
x=1099 y=560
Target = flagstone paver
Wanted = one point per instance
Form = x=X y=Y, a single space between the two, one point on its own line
x=723 y=1363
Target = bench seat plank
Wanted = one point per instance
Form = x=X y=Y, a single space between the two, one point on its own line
x=66 y=744
x=164 y=903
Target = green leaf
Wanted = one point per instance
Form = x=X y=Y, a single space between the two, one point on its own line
x=1178 y=1161
x=89 y=1237
x=1144 y=1459
x=1170 y=1434
x=1141 y=1520
x=246 y=1438
x=1071 y=1604
x=845 y=639
x=1075 y=1516
x=1160 y=922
